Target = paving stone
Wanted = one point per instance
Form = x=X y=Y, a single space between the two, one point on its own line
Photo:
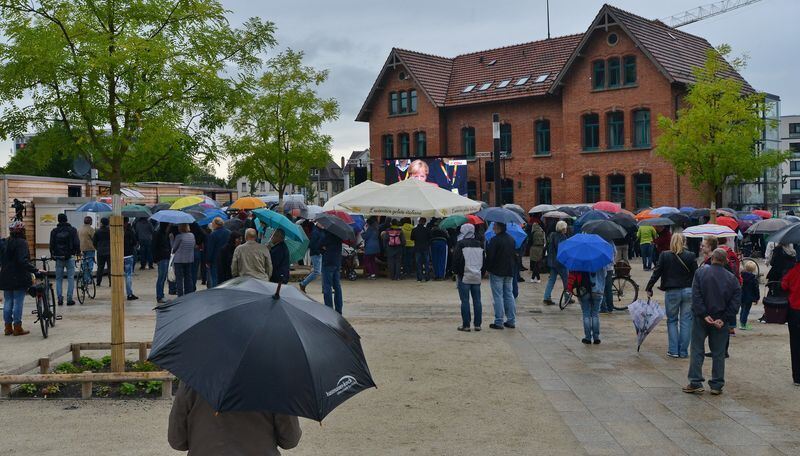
x=604 y=449
x=750 y=450
x=727 y=434
x=553 y=384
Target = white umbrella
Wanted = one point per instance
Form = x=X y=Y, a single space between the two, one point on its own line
x=364 y=188
x=412 y=198
x=542 y=208
x=312 y=211
x=709 y=229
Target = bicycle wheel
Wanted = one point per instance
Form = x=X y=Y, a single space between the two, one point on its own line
x=750 y=260
x=625 y=291
x=40 y=311
x=52 y=306
x=91 y=289
x=81 y=291
x=566 y=297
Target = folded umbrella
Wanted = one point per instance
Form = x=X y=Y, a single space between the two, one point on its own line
x=500 y=215
x=336 y=226
x=514 y=230
x=767 y=226
x=585 y=252
x=645 y=316
x=94 y=206
x=606 y=229
x=172 y=216
x=541 y=208
x=658 y=221
x=242 y=347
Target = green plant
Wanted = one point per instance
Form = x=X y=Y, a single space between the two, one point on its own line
x=102 y=391
x=51 y=390
x=67 y=368
x=106 y=360
x=152 y=387
x=144 y=366
x=29 y=389
x=127 y=389
x=90 y=363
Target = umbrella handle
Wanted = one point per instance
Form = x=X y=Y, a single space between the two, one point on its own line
x=277 y=294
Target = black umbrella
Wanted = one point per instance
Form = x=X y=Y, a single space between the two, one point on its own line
x=700 y=213
x=197 y=214
x=658 y=221
x=160 y=207
x=336 y=226
x=606 y=229
x=788 y=235
x=679 y=219
x=500 y=215
x=570 y=210
x=627 y=222
x=242 y=349
x=234 y=224
x=517 y=209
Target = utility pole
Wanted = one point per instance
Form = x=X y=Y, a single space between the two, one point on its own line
x=548 y=19
x=498 y=190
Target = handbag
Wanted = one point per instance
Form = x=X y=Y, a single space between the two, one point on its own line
x=171 y=268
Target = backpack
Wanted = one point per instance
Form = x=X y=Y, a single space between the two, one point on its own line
x=394 y=238
x=63 y=243
x=579 y=283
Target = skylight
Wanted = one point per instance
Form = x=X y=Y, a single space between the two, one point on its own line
x=522 y=80
x=502 y=84
x=485 y=86
x=468 y=88
x=542 y=77
x=491 y=62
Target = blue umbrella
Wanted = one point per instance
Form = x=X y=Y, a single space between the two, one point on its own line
x=585 y=253
x=500 y=215
x=210 y=215
x=276 y=220
x=358 y=222
x=750 y=217
x=172 y=216
x=589 y=216
x=94 y=206
x=512 y=229
x=664 y=210
x=687 y=209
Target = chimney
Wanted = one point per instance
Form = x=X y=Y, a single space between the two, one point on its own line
x=341 y=162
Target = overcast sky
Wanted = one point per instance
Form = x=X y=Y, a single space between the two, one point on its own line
x=352 y=39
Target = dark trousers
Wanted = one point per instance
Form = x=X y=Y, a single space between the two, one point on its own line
x=534 y=266
x=102 y=262
x=183 y=278
x=717 y=343
x=608 y=300
x=145 y=253
x=794 y=343
x=408 y=260
x=332 y=288
x=394 y=261
x=423 y=259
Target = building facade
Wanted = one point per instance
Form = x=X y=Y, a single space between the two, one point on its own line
x=578 y=113
x=790 y=141
x=326 y=182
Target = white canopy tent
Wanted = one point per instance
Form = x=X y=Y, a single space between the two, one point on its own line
x=364 y=188
x=412 y=198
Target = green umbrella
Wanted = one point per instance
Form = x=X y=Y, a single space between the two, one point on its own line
x=453 y=221
x=296 y=238
x=134 y=210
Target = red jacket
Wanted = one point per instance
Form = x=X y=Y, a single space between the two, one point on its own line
x=791 y=283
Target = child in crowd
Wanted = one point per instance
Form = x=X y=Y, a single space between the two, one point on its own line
x=750 y=293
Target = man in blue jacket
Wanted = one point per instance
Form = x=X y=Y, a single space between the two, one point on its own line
x=331 y=268
x=315 y=252
x=214 y=244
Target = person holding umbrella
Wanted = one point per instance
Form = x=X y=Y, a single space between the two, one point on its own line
x=500 y=258
x=556 y=268
x=279 y=253
x=331 y=271
x=183 y=248
x=314 y=246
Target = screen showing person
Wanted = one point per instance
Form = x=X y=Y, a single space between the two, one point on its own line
x=418 y=170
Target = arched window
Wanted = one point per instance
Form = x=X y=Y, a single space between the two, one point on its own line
x=505 y=139
x=413 y=103
x=388 y=147
x=544 y=191
x=405 y=145
x=641 y=128
x=420 y=144
x=599 y=74
x=613 y=72
x=629 y=70
x=591 y=189
x=394 y=105
x=616 y=129
x=542 y=137
x=468 y=142
x=643 y=186
x=591 y=132
x=616 y=189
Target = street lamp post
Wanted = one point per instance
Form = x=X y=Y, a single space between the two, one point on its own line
x=498 y=189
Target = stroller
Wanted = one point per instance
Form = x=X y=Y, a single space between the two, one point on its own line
x=776 y=304
x=349 y=262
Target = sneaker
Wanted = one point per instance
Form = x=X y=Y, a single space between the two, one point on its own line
x=732 y=331
x=533 y=281
x=694 y=389
x=796 y=383
x=549 y=302
x=161 y=300
x=746 y=327
x=132 y=297
x=586 y=341
x=537 y=281
x=477 y=328
x=463 y=328
x=672 y=355
x=70 y=302
x=716 y=392
x=494 y=326
x=60 y=301
x=302 y=288
x=596 y=341
x=509 y=325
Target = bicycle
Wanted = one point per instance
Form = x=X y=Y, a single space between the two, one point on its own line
x=85 y=287
x=45 y=299
x=745 y=259
x=622 y=286
x=565 y=300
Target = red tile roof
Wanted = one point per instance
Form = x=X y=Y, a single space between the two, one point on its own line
x=430 y=71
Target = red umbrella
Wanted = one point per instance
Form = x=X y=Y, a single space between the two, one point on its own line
x=606 y=206
x=728 y=221
x=474 y=220
x=342 y=215
x=762 y=213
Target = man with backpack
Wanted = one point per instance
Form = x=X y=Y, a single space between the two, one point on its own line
x=64 y=246
x=394 y=243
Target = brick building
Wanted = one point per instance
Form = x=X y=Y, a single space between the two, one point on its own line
x=578 y=113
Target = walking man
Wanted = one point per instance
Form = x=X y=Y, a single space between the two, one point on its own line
x=314 y=246
x=86 y=236
x=64 y=245
x=331 y=269
x=716 y=296
x=500 y=258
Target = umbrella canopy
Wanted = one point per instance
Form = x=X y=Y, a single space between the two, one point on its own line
x=244 y=349
x=644 y=215
x=196 y=213
x=606 y=229
x=583 y=209
x=346 y=218
x=295 y=207
x=210 y=215
x=159 y=207
x=589 y=216
x=627 y=222
x=359 y=190
x=585 y=252
x=187 y=201
x=726 y=213
x=664 y=210
x=248 y=203
x=658 y=221
x=750 y=217
x=557 y=215
x=514 y=230
x=728 y=221
x=295 y=238
x=709 y=229
x=700 y=213
x=313 y=210
x=745 y=225
x=607 y=206
x=680 y=219
x=336 y=226
x=767 y=226
x=762 y=213
x=94 y=206
x=572 y=211
x=791 y=218
x=411 y=198
x=135 y=210
x=516 y=208
x=788 y=235
x=687 y=209
x=500 y=215
x=645 y=315
x=234 y=224
x=172 y=216
x=542 y=208
x=454 y=221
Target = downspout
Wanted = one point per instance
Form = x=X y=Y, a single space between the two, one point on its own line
x=677 y=175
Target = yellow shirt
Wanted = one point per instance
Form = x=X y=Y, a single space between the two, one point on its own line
x=407 y=234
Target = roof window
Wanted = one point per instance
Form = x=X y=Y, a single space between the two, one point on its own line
x=468 y=88
x=502 y=84
x=485 y=86
x=491 y=62
x=541 y=78
x=522 y=80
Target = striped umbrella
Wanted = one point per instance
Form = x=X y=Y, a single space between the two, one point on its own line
x=709 y=229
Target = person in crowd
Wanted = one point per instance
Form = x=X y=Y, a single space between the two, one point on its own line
x=102 y=241
x=331 y=271
x=408 y=251
x=716 y=296
x=500 y=257
x=315 y=252
x=144 y=233
x=439 y=251
x=750 y=294
x=646 y=236
x=161 y=252
x=394 y=245
x=589 y=287
x=64 y=246
x=279 y=253
x=607 y=306
x=86 y=237
x=421 y=237
x=195 y=426
x=214 y=243
x=556 y=268
x=791 y=283
x=536 y=242
x=468 y=267
x=372 y=248
x=250 y=220
x=183 y=247
x=252 y=258
x=781 y=258
x=199 y=251
x=129 y=261
x=676 y=268
x=662 y=242
x=15 y=277
x=225 y=259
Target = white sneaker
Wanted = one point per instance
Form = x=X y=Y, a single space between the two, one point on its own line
x=533 y=281
x=537 y=281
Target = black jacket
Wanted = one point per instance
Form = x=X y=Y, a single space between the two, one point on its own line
x=781 y=263
x=64 y=241
x=672 y=273
x=438 y=234
x=15 y=266
x=280 y=263
x=421 y=237
x=224 y=261
x=553 y=240
x=716 y=293
x=501 y=255
x=161 y=246
x=130 y=241
x=102 y=241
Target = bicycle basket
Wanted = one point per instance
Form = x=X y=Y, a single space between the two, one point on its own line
x=622 y=269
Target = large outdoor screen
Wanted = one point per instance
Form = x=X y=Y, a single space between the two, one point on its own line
x=448 y=173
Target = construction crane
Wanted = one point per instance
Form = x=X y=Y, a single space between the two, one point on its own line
x=705 y=11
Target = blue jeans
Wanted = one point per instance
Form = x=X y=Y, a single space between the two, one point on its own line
x=316 y=270
x=69 y=264
x=332 y=284
x=551 y=281
x=212 y=275
x=647 y=255
x=128 y=263
x=12 y=307
x=88 y=265
x=717 y=344
x=503 y=299
x=745 y=312
x=590 y=306
x=423 y=259
x=678 y=304
x=145 y=253
x=608 y=299
x=163 y=268
x=183 y=278
x=464 y=291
